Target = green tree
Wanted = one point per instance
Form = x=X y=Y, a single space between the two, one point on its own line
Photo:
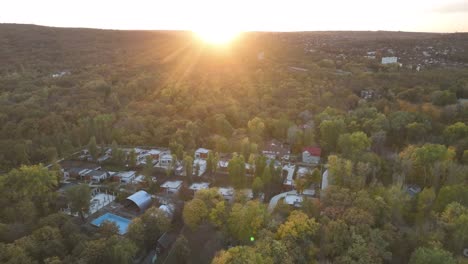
x=219 y=214
x=181 y=249
x=256 y=128
x=426 y=199
x=25 y=187
x=351 y=145
x=330 y=130
x=79 y=197
x=194 y=213
x=132 y=159
x=425 y=255
x=108 y=250
x=146 y=229
x=92 y=148
x=239 y=254
x=188 y=164
x=298 y=226
x=452 y=193
x=246 y=220
x=108 y=229
x=257 y=186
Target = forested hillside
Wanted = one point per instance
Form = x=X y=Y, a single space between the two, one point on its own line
x=380 y=127
x=154 y=88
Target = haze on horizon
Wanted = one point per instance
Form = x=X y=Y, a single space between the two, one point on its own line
x=244 y=15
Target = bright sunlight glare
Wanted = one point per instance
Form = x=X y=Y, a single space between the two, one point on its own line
x=217 y=36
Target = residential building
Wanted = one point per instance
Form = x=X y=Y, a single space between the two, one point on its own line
x=195 y=187
x=389 y=60
x=311 y=155
x=125 y=176
x=172 y=187
x=276 y=150
x=294 y=200
x=227 y=193
x=202 y=153
x=200 y=165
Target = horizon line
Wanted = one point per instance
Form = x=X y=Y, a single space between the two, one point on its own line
x=246 y=31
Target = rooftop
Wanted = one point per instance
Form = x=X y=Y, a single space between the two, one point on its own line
x=141 y=198
x=199 y=186
x=125 y=174
x=314 y=151
x=172 y=184
x=293 y=199
x=202 y=150
x=228 y=191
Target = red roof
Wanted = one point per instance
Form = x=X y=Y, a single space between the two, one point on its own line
x=314 y=151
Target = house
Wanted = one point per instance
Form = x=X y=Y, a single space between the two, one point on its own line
x=289 y=170
x=302 y=172
x=413 y=190
x=200 y=165
x=276 y=150
x=155 y=153
x=195 y=187
x=165 y=160
x=172 y=187
x=76 y=172
x=96 y=175
x=227 y=193
x=223 y=165
x=202 y=153
x=311 y=155
x=389 y=60
x=103 y=158
x=294 y=200
x=125 y=176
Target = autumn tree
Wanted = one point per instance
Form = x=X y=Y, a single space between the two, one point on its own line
x=246 y=220
x=194 y=213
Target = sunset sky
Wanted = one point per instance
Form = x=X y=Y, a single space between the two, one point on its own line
x=255 y=15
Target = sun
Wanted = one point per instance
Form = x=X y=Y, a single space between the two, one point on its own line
x=217 y=36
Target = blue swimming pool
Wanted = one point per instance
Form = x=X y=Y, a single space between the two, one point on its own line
x=121 y=222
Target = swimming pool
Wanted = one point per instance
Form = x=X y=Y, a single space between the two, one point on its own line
x=121 y=222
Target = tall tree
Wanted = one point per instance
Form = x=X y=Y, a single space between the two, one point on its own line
x=92 y=148
x=79 y=197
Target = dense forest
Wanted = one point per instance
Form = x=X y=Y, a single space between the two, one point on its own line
x=381 y=128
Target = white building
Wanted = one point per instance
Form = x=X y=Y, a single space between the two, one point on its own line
x=227 y=193
x=199 y=186
x=202 y=153
x=165 y=160
x=324 y=182
x=289 y=168
x=389 y=60
x=294 y=200
x=201 y=164
x=172 y=187
x=126 y=176
x=311 y=155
